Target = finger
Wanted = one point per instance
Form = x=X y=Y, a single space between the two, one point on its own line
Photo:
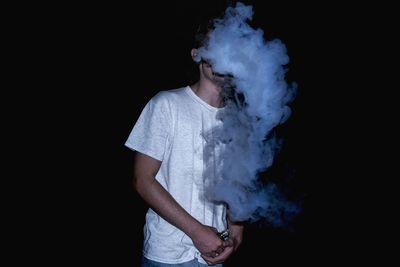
x=208 y=259
x=209 y=255
x=220 y=257
x=228 y=243
x=212 y=254
x=214 y=259
x=220 y=249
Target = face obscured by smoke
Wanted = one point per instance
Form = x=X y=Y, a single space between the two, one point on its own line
x=257 y=101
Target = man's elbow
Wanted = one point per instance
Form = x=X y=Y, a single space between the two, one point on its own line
x=144 y=172
x=137 y=182
x=141 y=181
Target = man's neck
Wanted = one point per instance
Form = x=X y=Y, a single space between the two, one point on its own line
x=209 y=93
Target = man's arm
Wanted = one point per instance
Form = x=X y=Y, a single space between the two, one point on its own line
x=161 y=201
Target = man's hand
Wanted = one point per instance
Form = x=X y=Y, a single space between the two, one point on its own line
x=230 y=246
x=219 y=257
x=235 y=233
x=206 y=240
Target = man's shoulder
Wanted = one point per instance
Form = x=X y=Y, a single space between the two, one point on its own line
x=170 y=95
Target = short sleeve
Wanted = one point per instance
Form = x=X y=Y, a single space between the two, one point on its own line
x=150 y=133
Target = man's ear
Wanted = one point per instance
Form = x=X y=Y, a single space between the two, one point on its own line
x=193 y=53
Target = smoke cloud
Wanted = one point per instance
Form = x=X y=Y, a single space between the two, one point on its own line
x=257 y=98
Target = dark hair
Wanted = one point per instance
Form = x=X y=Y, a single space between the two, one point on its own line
x=203 y=28
x=205 y=20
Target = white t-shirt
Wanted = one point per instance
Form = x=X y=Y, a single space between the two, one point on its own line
x=170 y=129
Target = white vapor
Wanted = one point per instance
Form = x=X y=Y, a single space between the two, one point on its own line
x=244 y=139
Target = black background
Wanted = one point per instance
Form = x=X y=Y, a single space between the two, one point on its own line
x=97 y=65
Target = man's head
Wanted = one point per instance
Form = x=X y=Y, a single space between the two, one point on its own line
x=204 y=25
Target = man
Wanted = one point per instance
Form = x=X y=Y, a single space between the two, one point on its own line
x=182 y=228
